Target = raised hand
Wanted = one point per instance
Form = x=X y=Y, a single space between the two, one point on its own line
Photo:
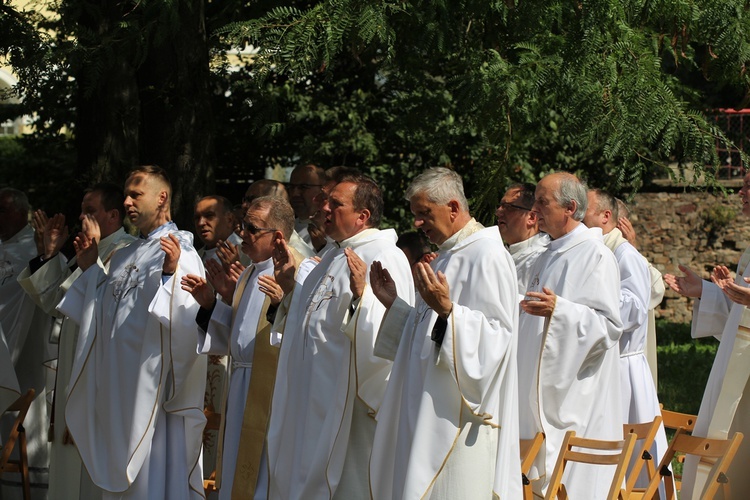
x=434 y=289
x=317 y=236
x=626 y=228
x=199 y=288
x=736 y=293
x=56 y=234
x=87 y=251
x=283 y=265
x=227 y=253
x=38 y=223
x=720 y=273
x=689 y=285
x=220 y=280
x=357 y=273
x=539 y=303
x=267 y=284
x=171 y=247
x=382 y=284
x=235 y=270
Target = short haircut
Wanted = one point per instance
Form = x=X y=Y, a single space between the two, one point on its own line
x=572 y=189
x=334 y=174
x=280 y=213
x=605 y=201
x=440 y=185
x=18 y=199
x=526 y=191
x=268 y=187
x=223 y=202
x=111 y=195
x=319 y=171
x=153 y=171
x=414 y=241
x=367 y=195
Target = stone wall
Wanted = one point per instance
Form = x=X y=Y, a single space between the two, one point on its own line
x=697 y=230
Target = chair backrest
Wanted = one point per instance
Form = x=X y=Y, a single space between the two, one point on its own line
x=718 y=453
x=645 y=434
x=594 y=452
x=529 y=450
x=675 y=420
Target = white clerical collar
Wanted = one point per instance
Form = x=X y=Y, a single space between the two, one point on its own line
x=354 y=239
x=264 y=265
x=23 y=233
x=167 y=225
x=470 y=228
x=558 y=243
x=527 y=243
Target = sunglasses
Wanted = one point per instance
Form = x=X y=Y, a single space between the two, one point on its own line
x=251 y=228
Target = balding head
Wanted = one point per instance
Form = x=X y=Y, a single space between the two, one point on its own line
x=601 y=211
x=561 y=202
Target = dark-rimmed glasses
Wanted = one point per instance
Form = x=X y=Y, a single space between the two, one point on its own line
x=253 y=229
x=506 y=206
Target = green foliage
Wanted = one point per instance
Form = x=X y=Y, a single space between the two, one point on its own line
x=612 y=90
x=716 y=218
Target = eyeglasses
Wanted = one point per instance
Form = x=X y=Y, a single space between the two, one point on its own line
x=302 y=187
x=253 y=229
x=506 y=206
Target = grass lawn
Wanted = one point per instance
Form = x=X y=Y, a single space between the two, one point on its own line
x=684 y=366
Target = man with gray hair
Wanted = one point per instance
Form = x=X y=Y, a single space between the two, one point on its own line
x=448 y=426
x=569 y=330
x=25 y=328
x=520 y=231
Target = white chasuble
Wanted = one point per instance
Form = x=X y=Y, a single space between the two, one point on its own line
x=329 y=382
x=524 y=255
x=448 y=426
x=233 y=331
x=26 y=329
x=135 y=402
x=46 y=287
x=724 y=409
x=640 y=401
x=569 y=372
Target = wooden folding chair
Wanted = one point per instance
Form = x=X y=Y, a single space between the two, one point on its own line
x=18 y=434
x=645 y=433
x=529 y=450
x=213 y=423
x=676 y=420
x=718 y=453
x=603 y=455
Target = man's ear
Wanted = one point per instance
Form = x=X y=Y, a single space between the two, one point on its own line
x=364 y=216
x=607 y=216
x=455 y=207
x=532 y=219
x=572 y=208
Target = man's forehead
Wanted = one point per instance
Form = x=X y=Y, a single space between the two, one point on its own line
x=208 y=205
x=305 y=175
x=511 y=194
x=256 y=214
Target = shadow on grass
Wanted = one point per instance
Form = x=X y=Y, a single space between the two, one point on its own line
x=684 y=366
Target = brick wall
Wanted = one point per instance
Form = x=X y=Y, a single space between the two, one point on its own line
x=698 y=230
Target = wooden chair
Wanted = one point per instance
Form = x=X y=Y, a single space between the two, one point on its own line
x=620 y=458
x=213 y=423
x=676 y=420
x=645 y=433
x=18 y=435
x=718 y=453
x=529 y=450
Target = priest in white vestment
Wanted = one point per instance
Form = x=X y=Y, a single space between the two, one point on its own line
x=135 y=403
x=26 y=330
x=448 y=426
x=569 y=330
x=330 y=384
x=46 y=280
x=520 y=231
x=640 y=401
x=243 y=330
x=721 y=310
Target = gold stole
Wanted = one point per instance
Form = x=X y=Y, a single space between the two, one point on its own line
x=241 y=284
